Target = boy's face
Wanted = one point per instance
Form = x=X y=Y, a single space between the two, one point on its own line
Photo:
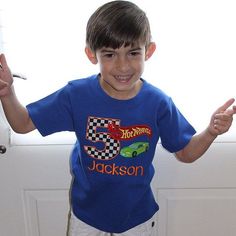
x=121 y=68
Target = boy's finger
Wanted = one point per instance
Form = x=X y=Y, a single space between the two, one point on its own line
x=3 y=61
x=3 y=84
x=226 y=105
x=231 y=111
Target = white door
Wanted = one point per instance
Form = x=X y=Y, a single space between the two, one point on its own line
x=199 y=198
x=195 y=199
x=34 y=183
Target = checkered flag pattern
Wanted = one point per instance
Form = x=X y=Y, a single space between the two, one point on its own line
x=112 y=146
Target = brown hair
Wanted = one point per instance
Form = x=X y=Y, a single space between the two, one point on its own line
x=117 y=23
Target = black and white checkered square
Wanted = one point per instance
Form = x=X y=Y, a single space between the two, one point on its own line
x=111 y=146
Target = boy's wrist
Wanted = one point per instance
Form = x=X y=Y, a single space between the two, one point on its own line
x=8 y=93
x=211 y=132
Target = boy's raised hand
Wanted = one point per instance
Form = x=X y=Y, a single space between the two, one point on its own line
x=222 y=118
x=6 y=78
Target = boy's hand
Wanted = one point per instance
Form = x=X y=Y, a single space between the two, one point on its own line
x=6 y=78
x=222 y=118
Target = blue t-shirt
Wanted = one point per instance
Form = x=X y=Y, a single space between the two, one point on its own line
x=116 y=142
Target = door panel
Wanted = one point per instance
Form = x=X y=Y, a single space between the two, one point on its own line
x=197 y=212
x=46 y=211
x=197 y=198
x=35 y=182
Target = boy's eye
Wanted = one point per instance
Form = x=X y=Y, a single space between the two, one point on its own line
x=135 y=53
x=108 y=55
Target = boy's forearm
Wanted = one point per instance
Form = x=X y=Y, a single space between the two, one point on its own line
x=220 y=122
x=197 y=146
x=16 y=114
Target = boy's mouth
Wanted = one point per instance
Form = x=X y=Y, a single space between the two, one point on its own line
x=123 y=78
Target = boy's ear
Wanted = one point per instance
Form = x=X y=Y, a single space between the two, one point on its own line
x=91 y=55
x=150 y=50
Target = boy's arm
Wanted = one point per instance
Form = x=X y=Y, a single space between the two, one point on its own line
x=220 y=123
x=16 y=114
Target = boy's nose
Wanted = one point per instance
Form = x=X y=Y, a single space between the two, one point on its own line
x=122 y=64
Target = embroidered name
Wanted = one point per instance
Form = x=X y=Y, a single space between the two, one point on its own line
x=114 y=169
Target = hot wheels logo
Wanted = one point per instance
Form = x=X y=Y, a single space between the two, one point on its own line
x=130 y=132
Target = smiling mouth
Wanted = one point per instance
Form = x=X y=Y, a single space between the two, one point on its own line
x=123 y=78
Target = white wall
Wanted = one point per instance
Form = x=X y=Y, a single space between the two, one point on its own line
x=194 y=63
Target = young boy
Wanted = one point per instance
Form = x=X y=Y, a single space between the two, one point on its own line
x=118 y=118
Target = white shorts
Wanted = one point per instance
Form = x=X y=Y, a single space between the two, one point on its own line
x=79 y=228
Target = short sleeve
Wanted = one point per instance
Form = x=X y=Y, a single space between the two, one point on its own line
x=175 y=130
x=52 y=113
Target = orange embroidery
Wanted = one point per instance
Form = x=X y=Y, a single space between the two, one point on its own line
x=113 y=169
